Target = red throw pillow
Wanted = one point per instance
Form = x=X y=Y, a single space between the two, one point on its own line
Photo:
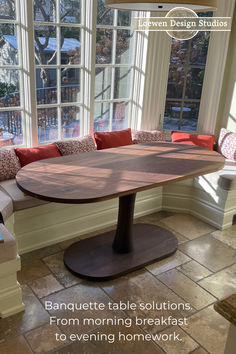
x=106 y=140
x=205 y=141
x=28 y=155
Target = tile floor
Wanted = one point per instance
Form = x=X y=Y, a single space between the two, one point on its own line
x=200 y=272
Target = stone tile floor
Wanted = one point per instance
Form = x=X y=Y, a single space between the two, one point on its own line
x=200 y=272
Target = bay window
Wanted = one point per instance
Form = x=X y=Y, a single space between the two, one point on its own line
x=59 y=63
x=71 y=67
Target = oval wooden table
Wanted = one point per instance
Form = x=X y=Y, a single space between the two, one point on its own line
x=118 y=172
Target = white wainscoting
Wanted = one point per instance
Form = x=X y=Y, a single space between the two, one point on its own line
x=51 y=223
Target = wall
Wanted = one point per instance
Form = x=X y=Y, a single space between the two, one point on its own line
x=227 y=110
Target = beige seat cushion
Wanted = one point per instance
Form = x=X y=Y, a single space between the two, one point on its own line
x=20 y=201
x=6 y=206
x=8 y=248
x=224 y=178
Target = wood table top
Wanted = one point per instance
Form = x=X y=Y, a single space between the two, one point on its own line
x=105 y=174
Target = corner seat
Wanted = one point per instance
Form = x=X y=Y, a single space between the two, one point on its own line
x=19 y=199
x=224 y=178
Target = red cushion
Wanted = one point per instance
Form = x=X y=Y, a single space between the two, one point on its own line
x=205 y=141
x=113 y=139
x=28 y=155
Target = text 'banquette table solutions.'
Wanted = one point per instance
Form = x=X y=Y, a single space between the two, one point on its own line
x=118 y=172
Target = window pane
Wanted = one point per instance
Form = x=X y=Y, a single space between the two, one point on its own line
x=70 y=85
x=46 y=82
x=45 y=10
x=178 y=54
x=70 y=127
x=45 y=45
x=104 y=46
x=47 y=124
x=9 y=88
x=105 y=16
x=172 y=115
x=120 y=115
x=101 y=116
x=7 y=9
x=124 y=18
x=102 y=83
x=194 y=83
x=8 y=44
x=11 y=132
x=185 y=82
x=122 y=83
x=178 y=117
x=199 y=48
x=70 y=11
x=190 y=116
x=175 y=82
x=70 y=45
x=124 y=46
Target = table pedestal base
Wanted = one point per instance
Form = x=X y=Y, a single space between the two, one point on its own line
x=95 y=259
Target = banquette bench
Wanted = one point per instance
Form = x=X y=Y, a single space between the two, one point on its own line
x=36 y=223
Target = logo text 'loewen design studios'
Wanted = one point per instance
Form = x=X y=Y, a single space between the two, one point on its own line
x=182 y=23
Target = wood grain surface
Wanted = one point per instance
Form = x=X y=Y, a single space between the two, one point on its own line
x=95 y=259
x=105 y=174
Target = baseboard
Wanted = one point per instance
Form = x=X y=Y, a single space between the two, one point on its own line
x=200 y=206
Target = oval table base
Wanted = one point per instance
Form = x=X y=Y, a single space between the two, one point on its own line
x=94 y=258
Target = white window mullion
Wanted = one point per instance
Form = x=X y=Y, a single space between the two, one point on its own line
x=138 y=100
x=89 y=67
x=130 y=108
x=28 y=76
x=58 y=34
x=113 y=61
x=82 y=66
x=20 y=67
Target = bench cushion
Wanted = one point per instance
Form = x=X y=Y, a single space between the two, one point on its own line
x=9 y=163
x=8 y=248
x=6 y=206
x=20 y=201
x=224 y=178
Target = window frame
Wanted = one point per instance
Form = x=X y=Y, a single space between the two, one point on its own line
x=58 y=66
x=186 y=66
x=159 y=48
x=113 y=65
x=149 y=73
x=29 y=105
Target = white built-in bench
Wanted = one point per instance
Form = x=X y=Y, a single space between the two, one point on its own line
x=36 y=223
